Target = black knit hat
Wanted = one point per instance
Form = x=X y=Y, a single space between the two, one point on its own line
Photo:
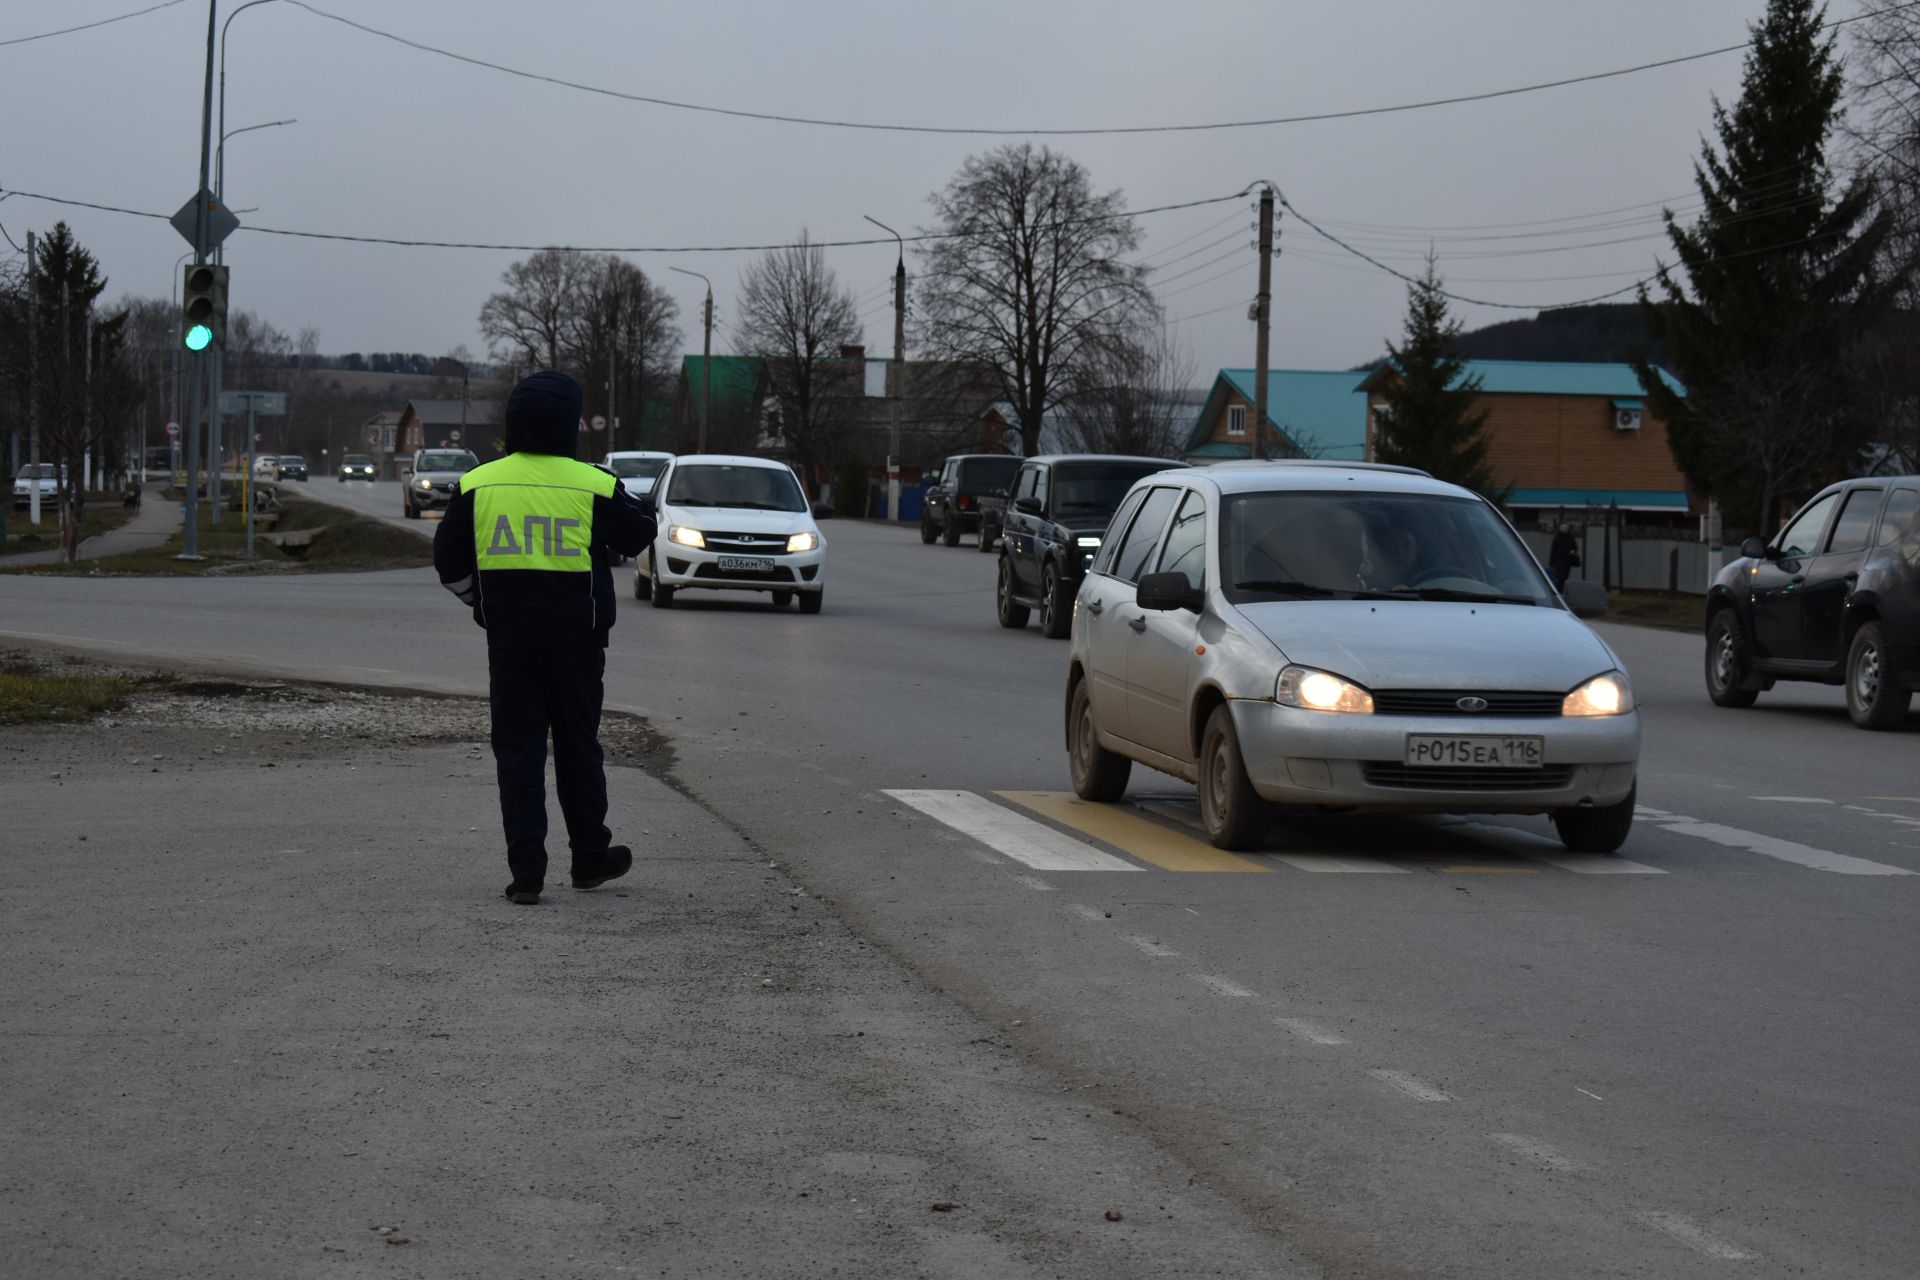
x=543 y=414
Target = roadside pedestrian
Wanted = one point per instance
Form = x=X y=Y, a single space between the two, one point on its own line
x=527 y=542
x=1563 y=557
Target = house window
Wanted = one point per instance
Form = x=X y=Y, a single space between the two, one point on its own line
x=1237 y=420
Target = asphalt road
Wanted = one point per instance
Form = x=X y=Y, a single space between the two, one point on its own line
x=1409 y=1047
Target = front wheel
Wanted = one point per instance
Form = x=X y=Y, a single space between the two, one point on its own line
x=412 y=512
x=1873 y=699
x=662 y=596
x=1232 y=811
x=1599 y=830
x=1013 y=615
x=987 y=538
x=1098 y=774
x=1727 y=662
x=950 y=533
x=1056 y=604
x=927 y=532
x=781 y=599
x=811 y=601
x=642 y=584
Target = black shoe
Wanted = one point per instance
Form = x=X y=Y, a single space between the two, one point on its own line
x=614 y=863
x=519 y=893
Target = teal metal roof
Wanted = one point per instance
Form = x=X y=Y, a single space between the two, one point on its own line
x=1321 y=411
x=1628 y=499
x=1555 y=378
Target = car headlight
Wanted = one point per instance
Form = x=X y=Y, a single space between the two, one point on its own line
x=687 y=537
x=1604 y=695
x=1086 y=542
x=803 y=542
x=1318 y=691
x=423 y=484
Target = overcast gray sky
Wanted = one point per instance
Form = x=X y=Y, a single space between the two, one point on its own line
x=395 y=142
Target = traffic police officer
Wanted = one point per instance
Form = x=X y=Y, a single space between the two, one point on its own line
x=526 y=543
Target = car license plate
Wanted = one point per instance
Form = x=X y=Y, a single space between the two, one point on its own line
x=1465 y=751
x=745 y=564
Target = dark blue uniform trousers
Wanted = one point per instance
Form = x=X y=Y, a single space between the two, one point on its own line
x=534 y=691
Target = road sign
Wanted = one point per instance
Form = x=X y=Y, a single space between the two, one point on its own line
x=454 y=436
x=220 y=222
x=599 y=422
x=266 y=404
x=173 y=428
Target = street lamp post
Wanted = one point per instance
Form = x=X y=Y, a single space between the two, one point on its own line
x=899 y=371
x=706 y=358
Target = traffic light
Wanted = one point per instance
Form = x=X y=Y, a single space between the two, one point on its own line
x=203 y=314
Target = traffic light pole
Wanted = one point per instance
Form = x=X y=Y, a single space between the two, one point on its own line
x=190 y=549
x=33 y=376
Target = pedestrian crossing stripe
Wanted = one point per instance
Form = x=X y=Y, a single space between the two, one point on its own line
x=1148 y=841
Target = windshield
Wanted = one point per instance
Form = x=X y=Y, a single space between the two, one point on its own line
x=1095 y=488
x=447 y=460
x=977 y=474
x=721 y=485
x=1345 y=546
x=359 y=460
x=637 y=468
x=30 y=471
x=295 y=462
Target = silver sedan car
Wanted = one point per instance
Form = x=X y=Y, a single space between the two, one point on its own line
x=1346 y=636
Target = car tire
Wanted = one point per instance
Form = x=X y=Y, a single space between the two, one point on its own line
x=1098 y=774
x=1598 y=830
x=927 y=532
x=781 y=599
x=1727 y=662
x=1013 y=615
x=642 y=584
x=1873 y=699
x=987 y=538
x=950 y=533
x=1233 y=813
x=412 y=512
x=1056 y=606
x=811 y=601
x=662 y=596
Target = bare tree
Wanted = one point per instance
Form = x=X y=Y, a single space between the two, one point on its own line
x=621 y=327
x=528 y=321
x=1130 y=396
x=795 y=315
x=1031 y=282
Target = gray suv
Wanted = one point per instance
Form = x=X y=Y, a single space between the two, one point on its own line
x=1344 y=636
x=429 y=481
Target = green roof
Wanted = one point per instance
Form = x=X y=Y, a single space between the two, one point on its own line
x=1320 y=411
x=735 y=379
x=1554 y=378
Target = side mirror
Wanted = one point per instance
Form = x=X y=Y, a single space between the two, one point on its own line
x=1586 y=599
x=1031 y=505
x=823 y=511
x=1165 y=592
x=1754 y=548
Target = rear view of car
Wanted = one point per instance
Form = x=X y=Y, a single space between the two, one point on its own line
x=637 y=469
x=953 y=503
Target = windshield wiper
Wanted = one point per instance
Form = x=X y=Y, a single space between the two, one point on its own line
x=1473 y=597
x=1287 y=585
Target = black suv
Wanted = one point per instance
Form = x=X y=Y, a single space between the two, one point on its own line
x=1059 y=511
x=291 y=468
x=952 y=504
x=1834 y=598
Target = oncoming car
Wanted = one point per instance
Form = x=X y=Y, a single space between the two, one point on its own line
x=1343 y=636
x=637 y=469
x=733 y=524
x=356 y=466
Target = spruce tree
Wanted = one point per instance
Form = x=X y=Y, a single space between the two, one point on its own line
x=1427 y=418
x=1781 y=286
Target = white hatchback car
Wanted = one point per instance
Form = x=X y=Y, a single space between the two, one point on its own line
x=637 y=469
x=733 y=524
x=1343 y=636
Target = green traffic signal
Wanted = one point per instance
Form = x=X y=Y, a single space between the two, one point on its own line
x=198 y=336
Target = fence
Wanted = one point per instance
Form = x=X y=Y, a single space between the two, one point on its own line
x=1633 y=564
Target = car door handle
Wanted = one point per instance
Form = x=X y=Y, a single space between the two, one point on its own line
x=1138 y=624
x=1094 y=607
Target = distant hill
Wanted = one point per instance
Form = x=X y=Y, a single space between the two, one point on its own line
x=1607 y=334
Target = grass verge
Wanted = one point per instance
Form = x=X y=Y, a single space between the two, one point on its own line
x=28 y=697
x=103 y=512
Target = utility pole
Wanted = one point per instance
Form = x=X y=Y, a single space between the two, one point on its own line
x=1262 y=320
x=706 y=359
x=895 y=384
x=33 y=380
x=613 y=377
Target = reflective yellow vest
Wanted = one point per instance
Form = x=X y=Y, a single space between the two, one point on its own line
x=535 y=511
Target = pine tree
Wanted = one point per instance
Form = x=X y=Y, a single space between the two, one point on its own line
x=1781 y=286
x=1427 y=418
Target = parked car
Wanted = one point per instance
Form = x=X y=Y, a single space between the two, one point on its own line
x=1834 y=597
x=356 y=466
x=31 y=476
x=1054 y=523
x=292 y=467
x=431 y=476
x=952 y=503
x=638 y=469
x=1347 y=636
x=266 y=466
x=733 y=524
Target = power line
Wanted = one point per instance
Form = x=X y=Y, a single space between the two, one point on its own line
x=1186 y=288
x=1200 y=315
x=1209 y=228
x=878 y=126
x=920 y=237
x=88 y=26
x=1235 y=234
x=1234 y=252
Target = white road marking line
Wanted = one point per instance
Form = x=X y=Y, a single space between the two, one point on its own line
x=1536 y=1152
x=1001 y=829
x=1308 y=1031
x=1148 y=945
x=1590 y=1093
x=1694 y=1236
x=1221 y=986
x=1541 y=848
x=1648 y=811
x=1329 y=862
x=1086 y=912
x=1792 y=799
x=1411 y=1085
x=1032 y=882
x=1784 y=850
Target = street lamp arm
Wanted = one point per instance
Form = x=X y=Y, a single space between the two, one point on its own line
x=220 y=175
x=890 y=231
x=250 y=128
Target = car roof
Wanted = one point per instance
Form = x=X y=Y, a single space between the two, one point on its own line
x=733 y=460
x=639 y=453
x=1314 y=474
x=973 y=457
x=1051 y=458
